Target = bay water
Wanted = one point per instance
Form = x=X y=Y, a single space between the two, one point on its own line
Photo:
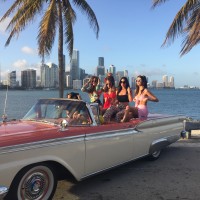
x=178 y=101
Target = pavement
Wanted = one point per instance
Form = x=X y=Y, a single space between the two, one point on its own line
x=174 y=176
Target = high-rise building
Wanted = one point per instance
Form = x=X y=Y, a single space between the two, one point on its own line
x=82 y=74
x=28 y=78
x=133 y=82
x=77 y=84
x=112 y=69
x=126 y=73
x=171 y=82
x=118 y=76
x=74 y=65
x=165 y=80
x=101 y=61
x=100 y=70
x=154 y=83
x=68 y=81
x=49 y=75
x=12 y=79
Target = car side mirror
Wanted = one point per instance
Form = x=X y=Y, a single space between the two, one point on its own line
x=64 y=124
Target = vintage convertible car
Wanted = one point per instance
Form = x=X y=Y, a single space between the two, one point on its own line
x=62 y=136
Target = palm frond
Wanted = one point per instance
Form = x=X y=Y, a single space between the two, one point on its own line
x=86 y=9
x=68 y=32
x=179 y=22
x=14 y=6
x=158 y=2
x=47 y=31
x=69 y=19
x=192 y=32
x=25 y=13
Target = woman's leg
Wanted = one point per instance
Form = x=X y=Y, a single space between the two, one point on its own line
x=120 y=115
x=109 y=113
x=130 y=112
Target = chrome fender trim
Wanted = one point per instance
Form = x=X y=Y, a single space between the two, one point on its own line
x=158 y=145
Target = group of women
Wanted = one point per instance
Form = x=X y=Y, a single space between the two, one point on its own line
x=116 y=101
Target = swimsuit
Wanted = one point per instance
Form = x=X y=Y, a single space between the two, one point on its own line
x=108 y=99
x=142 y=109
x=94 y=96
x=122 y=98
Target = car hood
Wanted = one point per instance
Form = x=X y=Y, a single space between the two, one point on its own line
x=20 y=127
x=17 y=132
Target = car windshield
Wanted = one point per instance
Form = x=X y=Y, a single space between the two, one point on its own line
x=52 y=110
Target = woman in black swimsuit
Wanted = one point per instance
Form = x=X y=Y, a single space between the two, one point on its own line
x=123 y=97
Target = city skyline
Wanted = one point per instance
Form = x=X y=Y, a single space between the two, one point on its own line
x=133 y=45
x=49 y=76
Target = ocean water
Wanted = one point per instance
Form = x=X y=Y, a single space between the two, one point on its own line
x=186 y=102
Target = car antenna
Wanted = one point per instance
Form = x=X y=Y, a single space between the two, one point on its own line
x=4 y=116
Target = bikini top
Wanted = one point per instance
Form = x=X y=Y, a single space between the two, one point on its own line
x=123 y=98
x=139 y=98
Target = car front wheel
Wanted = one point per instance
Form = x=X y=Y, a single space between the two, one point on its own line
x=36 y=182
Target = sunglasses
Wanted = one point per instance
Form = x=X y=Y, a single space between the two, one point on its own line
x=138 y=80
x=123 y=81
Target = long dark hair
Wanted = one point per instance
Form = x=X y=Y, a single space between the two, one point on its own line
x=93 y=88
x=119 y=85
x=111 y=80
x=144 y=83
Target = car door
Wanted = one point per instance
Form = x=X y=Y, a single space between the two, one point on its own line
x=107 y=146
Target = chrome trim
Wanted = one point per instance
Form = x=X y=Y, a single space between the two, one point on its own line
x=109 y=134
x=3 y=192
x=162 y=143
x=41 y=144
x=159 y=141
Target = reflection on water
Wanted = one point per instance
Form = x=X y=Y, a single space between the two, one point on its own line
x=170 y=101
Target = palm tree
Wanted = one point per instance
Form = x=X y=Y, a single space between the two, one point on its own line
x=57 y=14
x=185 y=23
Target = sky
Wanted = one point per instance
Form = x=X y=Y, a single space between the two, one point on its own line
x=130 y=37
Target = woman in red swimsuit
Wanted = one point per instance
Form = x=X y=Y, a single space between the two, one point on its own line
x=109 y=94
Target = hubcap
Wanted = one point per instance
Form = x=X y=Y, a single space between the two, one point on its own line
x=35 y=185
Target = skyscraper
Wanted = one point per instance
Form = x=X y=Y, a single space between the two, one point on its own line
x=100 y=70
x=126 y=73
x=68 y=81
x=112 y=69
x=165 y=80
x=49 y=75
x=12 y=79
x=28 y=78
x=101 y=61
x=74 y=65
x=171 y=82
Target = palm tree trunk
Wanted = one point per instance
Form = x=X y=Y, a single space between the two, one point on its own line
x=60 y=52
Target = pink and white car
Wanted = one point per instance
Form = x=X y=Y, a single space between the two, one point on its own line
x=60 y=136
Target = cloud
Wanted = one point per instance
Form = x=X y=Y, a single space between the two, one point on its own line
x=20 y=64
x=28 y=50
x=150 y=72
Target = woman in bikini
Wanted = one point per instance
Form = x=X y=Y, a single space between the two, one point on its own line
x=142 y=96
x=92 y=87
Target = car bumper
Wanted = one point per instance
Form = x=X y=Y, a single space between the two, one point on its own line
x=3 y=192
